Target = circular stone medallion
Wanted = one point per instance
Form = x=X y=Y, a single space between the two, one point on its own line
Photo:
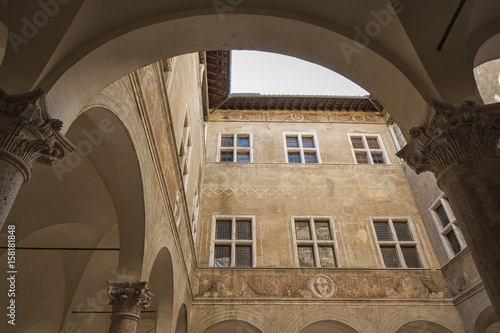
x=322 y=286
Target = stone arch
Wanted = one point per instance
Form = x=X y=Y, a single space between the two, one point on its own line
x=422 y=326
x=230 y=326
x=431 y=315
x=316 y=314
x=161 y=283
x=243 y=313
x=124 y=182
x=84 y=212
x=487 y=321
x=328 y=326
x=182 y=320
x=477 y=304
x=397 y=91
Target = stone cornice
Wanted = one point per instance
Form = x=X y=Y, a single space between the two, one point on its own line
x=27 y=133
x=453 y=135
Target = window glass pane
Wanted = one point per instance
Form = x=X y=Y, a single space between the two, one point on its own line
x=243 y=230
x=322 y=231
x=411 y=257
x=326 y=257
x=243 y=256
x=357 y=143
x=372 y=143
x=223 y=229
x=222 y=255
x=292 y=141
x=310 y=157
x=455 y=245
x=361 y=158
x=302 y=231
x=243 y=142
x=226 y=156
x=389 y=255
x=443 y=217
x=243 y=157
x=306 y=256
x=378 y=159
x=294 y=157
x=307 y=142
x=226 y=141
x=402 y=231
x=382 y=230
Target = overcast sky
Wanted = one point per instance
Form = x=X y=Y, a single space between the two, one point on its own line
x=272 y=74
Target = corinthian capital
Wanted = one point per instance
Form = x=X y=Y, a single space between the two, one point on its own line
x=129 y=298
x=453 y=134
x=27 y=133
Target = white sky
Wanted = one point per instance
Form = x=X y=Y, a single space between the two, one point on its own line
x=276 y=74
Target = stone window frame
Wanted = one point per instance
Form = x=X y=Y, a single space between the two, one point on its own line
x=314 y=242
x=452 y=226
x=185 y=147
x=396 y=134
x=300 y=149
x=235 y=149
x=396 y=243
x=196 y=213
x=369 y=151
x=233 y=242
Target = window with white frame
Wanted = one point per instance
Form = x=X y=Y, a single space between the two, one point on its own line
x=233 y=241
x=397 y=243
x=185 y=149
x=446 y=224
x=367 y=149
x=235 y=147
x=196 y=211
x=301 y=148
x=397 y=134
x=314 y=240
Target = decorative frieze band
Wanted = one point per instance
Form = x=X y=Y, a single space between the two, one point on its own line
x=27 y=133
x=327 y=285
x=129 y=298
x=452 y=135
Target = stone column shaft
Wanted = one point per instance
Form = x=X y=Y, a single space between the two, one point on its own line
x=128 y=299
x=460 y=145
x=27 y=136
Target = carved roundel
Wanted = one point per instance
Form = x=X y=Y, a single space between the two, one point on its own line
x=322 y=286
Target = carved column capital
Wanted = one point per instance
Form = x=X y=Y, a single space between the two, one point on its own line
x=27 y=133
x=128 y=298
x=451 y=135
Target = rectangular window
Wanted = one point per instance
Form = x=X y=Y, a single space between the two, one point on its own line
x=446 y=225
x=397 y=244
x=367 y=148
x=235 y=147
x=314 y=241
x=233 y=241
x=301 y=148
